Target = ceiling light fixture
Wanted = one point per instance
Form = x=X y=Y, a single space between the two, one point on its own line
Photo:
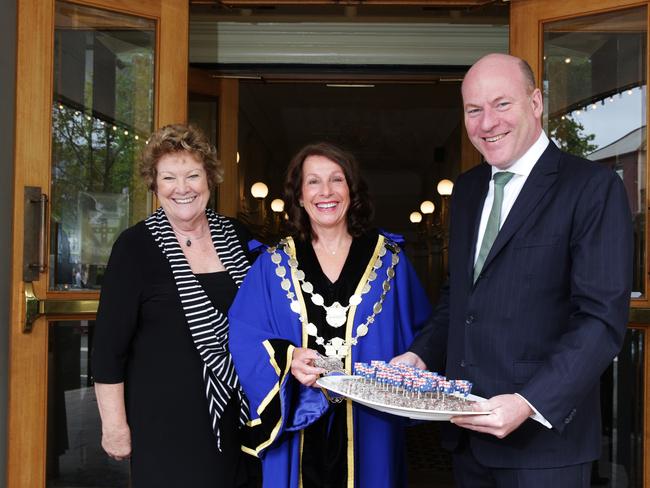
x=349 y=85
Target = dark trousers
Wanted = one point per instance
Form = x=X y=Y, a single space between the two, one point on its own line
x=469 y=473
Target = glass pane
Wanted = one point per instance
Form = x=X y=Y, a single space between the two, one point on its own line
x=102 y=114
x=595 y=94
x=203 y=112
x=622 y=393
x=74 y=453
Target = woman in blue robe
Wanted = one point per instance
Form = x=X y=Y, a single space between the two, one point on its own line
x=338 y=289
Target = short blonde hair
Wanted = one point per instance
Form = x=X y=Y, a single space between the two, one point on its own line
x=175 y=138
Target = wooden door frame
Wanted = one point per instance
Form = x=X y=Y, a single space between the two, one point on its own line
x=27 y=405
x=226 y=90
x=526 y=41
x=8 y=45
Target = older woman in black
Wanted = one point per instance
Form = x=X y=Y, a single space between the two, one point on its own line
x=166 y=388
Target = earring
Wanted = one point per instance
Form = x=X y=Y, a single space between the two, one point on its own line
x=301 y=203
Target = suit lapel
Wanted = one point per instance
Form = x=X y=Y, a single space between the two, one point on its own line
x=539 y=181
x=479 y=191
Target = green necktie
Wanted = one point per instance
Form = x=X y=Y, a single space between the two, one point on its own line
x=494 y=221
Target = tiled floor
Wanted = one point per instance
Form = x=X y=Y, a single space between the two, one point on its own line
x=82 y=463
x=429 y=465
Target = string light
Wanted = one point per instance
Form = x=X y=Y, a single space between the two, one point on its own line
x=594 y=105
x=99 y=123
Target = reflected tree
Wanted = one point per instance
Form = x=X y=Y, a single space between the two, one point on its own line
x=99 y=127
x=569 y=135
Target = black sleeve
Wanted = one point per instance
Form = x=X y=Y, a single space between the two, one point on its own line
x=117 y=316
x=431 y=342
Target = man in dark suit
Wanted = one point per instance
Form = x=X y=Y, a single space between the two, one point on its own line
x=536 y=305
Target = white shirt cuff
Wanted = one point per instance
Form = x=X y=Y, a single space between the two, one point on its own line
x=536 y=416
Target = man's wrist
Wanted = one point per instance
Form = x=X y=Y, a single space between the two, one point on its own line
x=535 y=415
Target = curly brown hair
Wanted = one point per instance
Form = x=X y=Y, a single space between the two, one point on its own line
x=175 y=138
x=360 y=212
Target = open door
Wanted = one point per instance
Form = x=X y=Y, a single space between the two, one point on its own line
x=214 y=107
x=94 y=78
x=591 y=60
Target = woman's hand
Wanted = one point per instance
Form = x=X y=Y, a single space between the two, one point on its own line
x=302 y=366
x=116 y=441
x=116 y=434
x=409 y=358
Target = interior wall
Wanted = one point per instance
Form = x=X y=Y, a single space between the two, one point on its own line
x=406 y=138
x=7 y=91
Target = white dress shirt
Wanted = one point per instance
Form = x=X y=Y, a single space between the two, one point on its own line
x=521 y=169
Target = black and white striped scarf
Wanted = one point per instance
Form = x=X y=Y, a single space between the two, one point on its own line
x=208 y=326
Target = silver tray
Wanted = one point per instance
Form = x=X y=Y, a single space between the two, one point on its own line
x=335 y=383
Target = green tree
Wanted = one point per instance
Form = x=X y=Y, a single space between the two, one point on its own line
x=94 y=152
x=569 y=135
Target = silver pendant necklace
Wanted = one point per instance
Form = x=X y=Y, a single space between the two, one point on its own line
x=335 y=314
x=188 y=239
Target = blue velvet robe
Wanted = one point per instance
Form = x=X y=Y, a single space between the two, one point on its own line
x=263 y=333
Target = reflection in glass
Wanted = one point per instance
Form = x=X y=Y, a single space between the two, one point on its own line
x=594 y=84
x=74 y=453
x=203 y=112
x=622 y=393
x=102 y=114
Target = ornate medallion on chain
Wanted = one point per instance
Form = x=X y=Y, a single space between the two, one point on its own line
x=336 y=314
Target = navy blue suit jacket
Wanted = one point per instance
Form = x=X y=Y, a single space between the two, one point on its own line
x=547 y=314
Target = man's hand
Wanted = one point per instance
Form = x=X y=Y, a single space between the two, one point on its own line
x=507 y=413
x=409 y=358
x=302 y=366
x=116 y=441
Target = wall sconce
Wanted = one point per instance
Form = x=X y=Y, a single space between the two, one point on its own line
x=259 y=190
x=277 y=205
x=415 y=217
x=432 y=226
x=427 y=207
x=445 y=187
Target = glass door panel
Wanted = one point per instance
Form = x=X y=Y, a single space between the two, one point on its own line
x=622 y=391
x=74 y=454
x=203 y=112
x=102 y=114
x=594 y=80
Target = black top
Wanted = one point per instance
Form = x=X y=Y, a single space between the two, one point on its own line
x=324 y=460
x=142 y=339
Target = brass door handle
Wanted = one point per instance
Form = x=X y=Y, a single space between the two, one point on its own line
x=35 y=233
x=35 y=308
